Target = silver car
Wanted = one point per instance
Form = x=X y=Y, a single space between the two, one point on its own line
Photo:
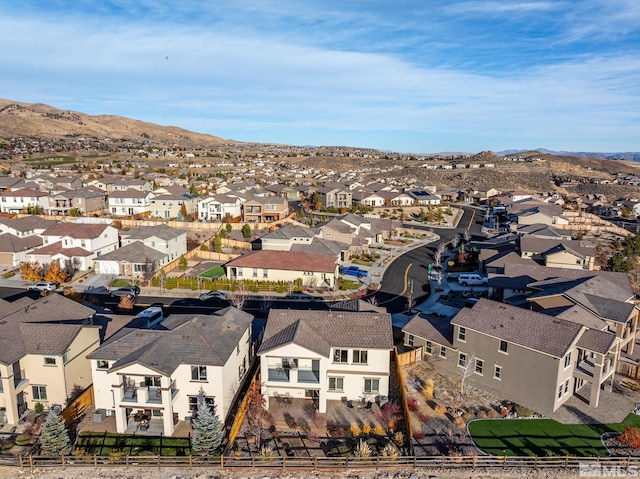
x=43 y=286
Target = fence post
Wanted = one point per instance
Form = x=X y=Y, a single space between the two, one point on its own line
x=158 y=461
x=95 y=461
x=442 y=463
x=504 y=462
x=191 y=461
x=566 y=462
x=21 y=462
x=62 y=458
x=126 y=461
x=475 y=458
x=222 y=462
x=31 y=462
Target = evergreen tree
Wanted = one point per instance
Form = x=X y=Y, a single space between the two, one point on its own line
x=207 y=429
x=54 y=438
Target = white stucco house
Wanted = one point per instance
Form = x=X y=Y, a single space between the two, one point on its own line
x=326 y=355
x=19 y=200
x=130 y=202
x=219 y=207
x=159 y=372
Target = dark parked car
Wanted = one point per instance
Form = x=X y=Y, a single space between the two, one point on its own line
x=125 y=291
x=215 y=295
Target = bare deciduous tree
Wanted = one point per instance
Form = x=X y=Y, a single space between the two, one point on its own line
x=439 y=254
x=468 y=369
x=455 y=241
x=149 y=268
x=266 y=304
x=239 y=297
x=466 y=235
x=259 y=420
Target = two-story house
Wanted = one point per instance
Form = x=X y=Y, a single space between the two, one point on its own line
x=534 y=359
x=87 y=201
x=173 y=205
x=326 y=355
x=160 y=372
x=220 y=207
x=130 y=202
x=143 y=250
x=43 y=348
x=265 y=209
x=19 y=201
x=77 y=243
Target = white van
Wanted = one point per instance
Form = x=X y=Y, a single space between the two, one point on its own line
x=152 y=315
x=472 y=279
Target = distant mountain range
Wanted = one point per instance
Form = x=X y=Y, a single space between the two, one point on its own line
x=627 y=155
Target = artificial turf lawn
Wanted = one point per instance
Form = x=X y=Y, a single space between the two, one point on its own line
x=215 y=272
x=101 y=443
x=543 y=437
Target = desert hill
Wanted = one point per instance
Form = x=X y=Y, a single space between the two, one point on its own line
x=38 y=120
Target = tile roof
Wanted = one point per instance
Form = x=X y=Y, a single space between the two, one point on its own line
x=161 y=231
x=526 y=328
x=56 y=248
x=182 y=339
x=319 y=331
x=286 y=260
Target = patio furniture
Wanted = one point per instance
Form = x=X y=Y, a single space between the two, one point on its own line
x=349 y=404
x=369 y=405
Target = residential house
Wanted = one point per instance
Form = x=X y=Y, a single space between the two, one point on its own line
x=368 y=198
x=170 y=205
x=423 y=197
x=533 y=359
x=14 y=250
x=20 y=201
x=335 y=196
x=313 y=269
x=161 y=244
x=76 y=244
x=43 y=348
x=87 y=201
x=282 y=239
x=111 y=184
x=326 y=355
x=220 y=207
x=10 y=183
x=265 y=209
x=162 y=371
x=24 y=226
x=130 y=202
x=558 y=253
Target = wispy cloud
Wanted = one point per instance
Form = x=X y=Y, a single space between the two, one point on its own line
x=486 y=7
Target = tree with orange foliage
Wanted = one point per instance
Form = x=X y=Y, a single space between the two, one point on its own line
x=55 y=273
x=30 y=271
x=126 y=302
x=630 y=437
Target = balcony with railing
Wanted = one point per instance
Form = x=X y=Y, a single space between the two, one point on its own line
x=19 y=378
x=279 y=374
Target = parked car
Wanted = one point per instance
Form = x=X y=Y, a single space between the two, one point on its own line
x=215 y=295
x=472 y=279
x=353 y=271
x=43 y=286
x=125 y=291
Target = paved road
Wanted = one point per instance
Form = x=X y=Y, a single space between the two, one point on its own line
x=407 y=275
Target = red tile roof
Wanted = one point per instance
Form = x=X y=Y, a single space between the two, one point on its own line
x=286 y=260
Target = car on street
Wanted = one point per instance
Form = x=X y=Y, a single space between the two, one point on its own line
x=125 y=291
x=213 y=295
x=43 y=286
x=353 y=271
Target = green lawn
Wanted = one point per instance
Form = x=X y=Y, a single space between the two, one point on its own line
x=215 y=272
x=543 y=437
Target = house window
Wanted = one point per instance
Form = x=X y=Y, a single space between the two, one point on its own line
x=443 y=352
x=39 y=393
x=410 y=339
x=255 y=272
x=198 y=373
x=462 y=360
x=49 y=361
x=359 y=356
x=371 y=385
x=560 y=391
x=336 y=384
x=566 y=386
x=265 y=273
x=193 y=402
x=340 y=356
x=479 y=366
x=497 y=371
x=102 y=364
x=462 y=333
x=428 y=347
x=503 y=346
x=65 y=357
x=239 y=271
x=567 y=360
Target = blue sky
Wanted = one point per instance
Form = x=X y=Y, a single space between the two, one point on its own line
x=409 y=76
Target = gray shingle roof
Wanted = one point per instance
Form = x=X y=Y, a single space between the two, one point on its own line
x=135 y=253
x=186 y=339
x=431 y=328
x=319 y=331
x=161 y=231
x=526 y=328
x=596 y=341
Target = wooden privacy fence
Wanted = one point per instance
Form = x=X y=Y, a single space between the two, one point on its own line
x=78 y=407
x=606 y=465
x=409 y=357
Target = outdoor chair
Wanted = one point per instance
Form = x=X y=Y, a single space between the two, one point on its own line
x=349 y=404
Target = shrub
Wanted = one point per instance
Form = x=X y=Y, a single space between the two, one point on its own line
x=267 y=453
x=459 y=422
x=427 y=392
x=440 y=409
x=422 y=417
x=5 y=444
x=390 y=450
x=378 y=431
x=482 y=414
x=362 y=449
x=419 y=435
x=355 y=429
x=366 y=429
x=412 y=404
x=23 y=440
x=523 y=411
x=630 y=437
x=399 y=439
x=38 y=407
x=492 y=414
